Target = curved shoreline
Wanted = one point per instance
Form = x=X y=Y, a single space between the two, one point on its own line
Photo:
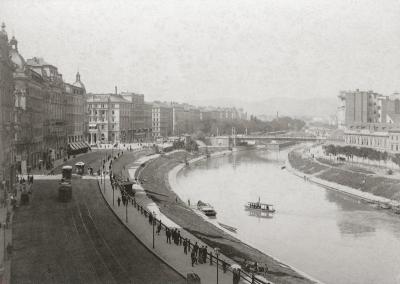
x=172 y=180
x=349 y=191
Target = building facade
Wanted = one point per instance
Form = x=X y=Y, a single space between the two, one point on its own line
x=55 y=103
x=109 y=118
x=138 y=130
x=147 y=120
x=371 y=120
x=29 y=94
x=161 y=120
x=185 y=118
x=76 y=111
x=7 y=121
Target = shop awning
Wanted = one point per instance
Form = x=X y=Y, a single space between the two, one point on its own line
x=72 y=146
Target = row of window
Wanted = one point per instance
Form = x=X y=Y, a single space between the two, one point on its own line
x=102 y=105
x=101 y=112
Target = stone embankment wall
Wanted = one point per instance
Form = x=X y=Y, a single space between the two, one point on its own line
x=353 y=181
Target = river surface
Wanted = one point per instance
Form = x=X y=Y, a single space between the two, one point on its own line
x=329 y=236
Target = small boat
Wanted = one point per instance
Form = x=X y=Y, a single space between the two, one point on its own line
x=283 y=167
x=230 y=228
x=206 y=208
x=384 y=206
x=260 y=206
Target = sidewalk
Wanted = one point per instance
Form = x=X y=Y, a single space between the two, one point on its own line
x=172 y=254
x=6 y=238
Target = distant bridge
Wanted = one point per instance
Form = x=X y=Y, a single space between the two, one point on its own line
x=278 y=137
x=233 y=140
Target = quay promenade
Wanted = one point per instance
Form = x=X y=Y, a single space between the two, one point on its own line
x=138 y=223
x=5 y=239
x=6 y=217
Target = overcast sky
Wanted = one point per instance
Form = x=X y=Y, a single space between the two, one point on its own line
x=185 y=50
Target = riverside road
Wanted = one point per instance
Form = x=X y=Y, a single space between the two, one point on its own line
x=79 y=242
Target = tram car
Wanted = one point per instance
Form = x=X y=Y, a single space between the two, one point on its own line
x=80 y=168
x=65 y=187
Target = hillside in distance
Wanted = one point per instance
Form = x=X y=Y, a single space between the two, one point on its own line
x=322 y=107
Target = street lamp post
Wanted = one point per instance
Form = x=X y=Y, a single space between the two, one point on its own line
x=104 y=181
x=4 y=227
x=216 y=252
x=126 y=210
x=153 y=223
x=113 y=188
x=4 y=244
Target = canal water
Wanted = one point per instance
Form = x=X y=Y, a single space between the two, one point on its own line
x=329 y=236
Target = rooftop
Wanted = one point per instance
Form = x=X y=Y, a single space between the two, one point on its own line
x=37 y=61
x=106 y=98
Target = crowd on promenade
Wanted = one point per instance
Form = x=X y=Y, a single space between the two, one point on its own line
x=199 y=254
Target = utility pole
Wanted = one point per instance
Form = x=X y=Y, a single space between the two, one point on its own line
x=153 y=223
x=126 y=210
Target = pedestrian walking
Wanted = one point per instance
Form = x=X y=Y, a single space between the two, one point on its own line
x=119 y=201
x=168 y=234
x=224 y=268
x=159 y=228
x=236 y=276
x=193 y=257
x=200 y=256
x=265 y=269
x=179 y=239
x=205 y=254
x=173 y=234
x=196 y=248
x=185 y=246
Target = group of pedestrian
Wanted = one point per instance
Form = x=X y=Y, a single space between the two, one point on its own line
x=175 y=234
x=124 y=198
x=256 y=267
x=199 y=254
x=30 y=179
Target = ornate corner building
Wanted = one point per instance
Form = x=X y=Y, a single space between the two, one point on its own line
x=7 y=121
x=41 y=115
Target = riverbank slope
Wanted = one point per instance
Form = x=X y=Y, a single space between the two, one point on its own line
x=156 y=175
x=347 y=178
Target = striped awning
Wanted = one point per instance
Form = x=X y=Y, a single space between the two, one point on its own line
x=72 y=146
x=78 y=145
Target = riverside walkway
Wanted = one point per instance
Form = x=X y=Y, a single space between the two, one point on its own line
x=133 y=218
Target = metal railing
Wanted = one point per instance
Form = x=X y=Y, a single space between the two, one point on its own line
x=248 y=277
